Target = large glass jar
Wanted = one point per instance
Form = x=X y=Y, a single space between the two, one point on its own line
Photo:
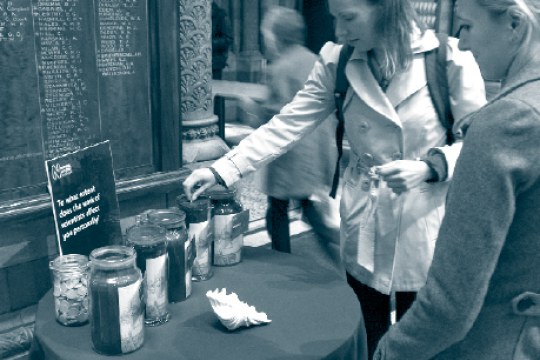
x=199 y=219
x=70 y=290
x=179 y=248
x=227 y=244
x=117 y=309
x=150 y=245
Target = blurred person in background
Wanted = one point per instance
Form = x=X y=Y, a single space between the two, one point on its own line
x=482 y=296
x=305 y=172
x=401 y=161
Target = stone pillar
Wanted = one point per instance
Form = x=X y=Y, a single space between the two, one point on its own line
x=200 y=141
x=250 y=62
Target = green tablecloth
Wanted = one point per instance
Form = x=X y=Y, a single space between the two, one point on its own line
x=314 y=313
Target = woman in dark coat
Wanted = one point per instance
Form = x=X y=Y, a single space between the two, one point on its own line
x=482 y=296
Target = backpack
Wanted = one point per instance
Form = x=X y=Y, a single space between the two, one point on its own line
x=437 y=82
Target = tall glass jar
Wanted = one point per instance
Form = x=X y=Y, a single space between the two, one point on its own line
x=227 y=244
x=70 y=289
x=117 y=308
x=150 y=244
x=179 y=248
x=199 y=219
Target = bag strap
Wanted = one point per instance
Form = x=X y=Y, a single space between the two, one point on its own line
x=340 y=91
x=437 y=81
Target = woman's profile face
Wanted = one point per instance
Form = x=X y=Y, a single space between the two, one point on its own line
x=487 y=36
x=357 y=23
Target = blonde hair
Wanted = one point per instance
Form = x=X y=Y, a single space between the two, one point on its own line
x=528 y=9
x=397 y=22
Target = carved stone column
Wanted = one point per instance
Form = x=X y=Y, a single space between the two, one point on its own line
x=200 y=139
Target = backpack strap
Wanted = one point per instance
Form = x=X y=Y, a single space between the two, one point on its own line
x=340 y=91
x=437 y=81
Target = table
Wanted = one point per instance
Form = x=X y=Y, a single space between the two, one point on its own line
x=314 y=313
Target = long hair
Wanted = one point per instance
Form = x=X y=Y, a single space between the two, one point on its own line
x=397 y=21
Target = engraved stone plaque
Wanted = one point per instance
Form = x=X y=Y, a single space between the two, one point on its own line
x=74 y=72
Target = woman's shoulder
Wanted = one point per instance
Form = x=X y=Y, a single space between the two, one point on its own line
x=516 y=112
x=330 y=52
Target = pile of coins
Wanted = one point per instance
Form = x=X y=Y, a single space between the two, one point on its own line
x=71 y=299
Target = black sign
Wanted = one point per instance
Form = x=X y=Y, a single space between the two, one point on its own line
x=83 y=195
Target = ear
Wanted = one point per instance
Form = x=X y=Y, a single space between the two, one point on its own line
x=518 y=25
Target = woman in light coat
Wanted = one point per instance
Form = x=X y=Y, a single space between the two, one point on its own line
x=392 y=202
x=482 y=296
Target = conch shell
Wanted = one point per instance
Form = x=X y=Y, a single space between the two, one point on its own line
x=232 y=312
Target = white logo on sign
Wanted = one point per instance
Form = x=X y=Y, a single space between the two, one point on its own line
x=59 y=171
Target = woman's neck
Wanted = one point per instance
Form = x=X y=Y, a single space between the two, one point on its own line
x=526 y=57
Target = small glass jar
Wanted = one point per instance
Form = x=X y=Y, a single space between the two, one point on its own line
x=70 y=289
x=227 y=245
x=198 y=218
x=116 y=301
x=180 y=251
x=150 y=244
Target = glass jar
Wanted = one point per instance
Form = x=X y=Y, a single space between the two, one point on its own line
x=180 y=251
x=70 y=289
x=198 y=220
x=227 y=245
x=150 y=244
x=117 y=308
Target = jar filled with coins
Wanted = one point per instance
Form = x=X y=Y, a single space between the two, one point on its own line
x=198 y=216
x=70 y=289
x=150 y=244
x=179 y=248
x=116 y=300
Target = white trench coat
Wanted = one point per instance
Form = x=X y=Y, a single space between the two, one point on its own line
x=387 y=240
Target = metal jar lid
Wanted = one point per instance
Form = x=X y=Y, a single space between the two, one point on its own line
x=202 y=202
x=167 y=218
x=221 y=193
x=146 y=235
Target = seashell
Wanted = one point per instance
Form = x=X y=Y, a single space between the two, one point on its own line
x=232 y=312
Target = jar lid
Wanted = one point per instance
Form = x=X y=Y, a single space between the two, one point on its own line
x=202 y=202
x=167 y=218
x=70 y=262
x=219 y=192
x=112 y=257
x=146 y=235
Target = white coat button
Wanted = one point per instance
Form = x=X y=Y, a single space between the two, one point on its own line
x=364 y=126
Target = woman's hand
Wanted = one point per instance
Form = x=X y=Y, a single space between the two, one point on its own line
x=199 y=180
x=403 y=175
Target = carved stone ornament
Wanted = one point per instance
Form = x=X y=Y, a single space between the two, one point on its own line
x=201 y=133
x=195 y=58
